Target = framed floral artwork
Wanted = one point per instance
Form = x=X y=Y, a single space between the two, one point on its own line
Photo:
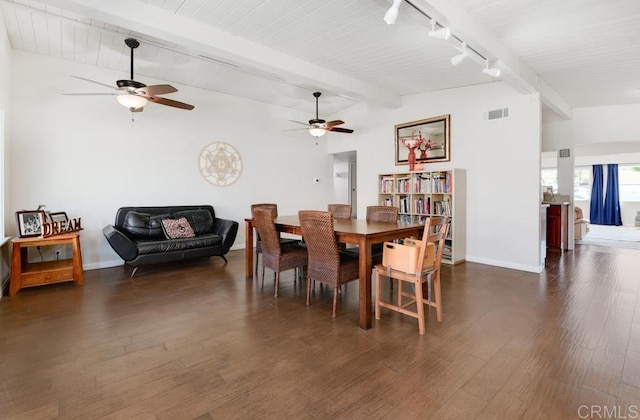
x=423 y=141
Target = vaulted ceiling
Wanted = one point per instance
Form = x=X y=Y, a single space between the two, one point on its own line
x=576 y=53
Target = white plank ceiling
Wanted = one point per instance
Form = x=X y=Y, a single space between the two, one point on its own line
x=576 y=53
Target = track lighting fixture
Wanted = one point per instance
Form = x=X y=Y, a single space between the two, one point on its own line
x=457 y=59
x=392 y=14
x=442 y=33
x=491 y=71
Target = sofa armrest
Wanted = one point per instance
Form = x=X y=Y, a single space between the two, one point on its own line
x=121 y=244
x=228 y=229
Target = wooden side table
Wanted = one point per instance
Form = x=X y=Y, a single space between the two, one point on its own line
x=25 y=274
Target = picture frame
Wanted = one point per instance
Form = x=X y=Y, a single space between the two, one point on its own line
x=30 y=223
x=428 y=140
x=59 y=216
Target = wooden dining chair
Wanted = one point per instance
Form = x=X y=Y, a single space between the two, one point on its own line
x=326 y=263
x=283 y=241
x=340 y=211
x=435 y=231
x=275 y=256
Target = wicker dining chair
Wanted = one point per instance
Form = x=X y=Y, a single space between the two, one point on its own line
x=340 y=211
x=283 y=241
x=435 y=231
x=326 y=263
x=377 y=214
x=382 y=214
x=275 y=256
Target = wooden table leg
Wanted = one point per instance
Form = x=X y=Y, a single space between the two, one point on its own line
x=78 y=273
x=365 y=284
x=248 y=249
x=16 y=269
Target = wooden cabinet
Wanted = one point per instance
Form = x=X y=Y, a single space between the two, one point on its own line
x=557 y=226
x=420 y=194
x=26 y=274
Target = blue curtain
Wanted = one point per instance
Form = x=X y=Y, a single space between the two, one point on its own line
x=611 y=213
x=596 y=215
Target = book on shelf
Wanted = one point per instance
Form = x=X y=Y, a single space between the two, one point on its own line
x=442 y=208
x=387 y=202
x=403 y=185
x=422 y=205
x=441 y=182
x=403 y=204
x=386 y=185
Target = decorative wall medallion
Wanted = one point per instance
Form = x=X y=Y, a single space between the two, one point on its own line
x=220 y=164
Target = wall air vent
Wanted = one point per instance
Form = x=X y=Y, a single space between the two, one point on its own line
x=564 y=153
x=496 y=114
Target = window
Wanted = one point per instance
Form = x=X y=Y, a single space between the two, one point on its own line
x=629 y=182
x=549 y=177
x=582 y=183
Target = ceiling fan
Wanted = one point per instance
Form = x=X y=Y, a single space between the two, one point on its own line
x=135 y=95
x=318 y=127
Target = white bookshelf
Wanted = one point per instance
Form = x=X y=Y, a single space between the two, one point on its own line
x=420 y=194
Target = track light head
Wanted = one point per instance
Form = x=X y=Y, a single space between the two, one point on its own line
x=457 y=59
x=442 y=33
x=392 y=14
x=491 y=71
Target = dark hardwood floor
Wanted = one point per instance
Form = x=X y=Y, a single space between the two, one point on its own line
x=198 y=341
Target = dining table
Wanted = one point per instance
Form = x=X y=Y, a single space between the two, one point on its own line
x=349 y=231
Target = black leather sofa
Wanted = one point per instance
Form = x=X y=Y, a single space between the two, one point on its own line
x=138 y=238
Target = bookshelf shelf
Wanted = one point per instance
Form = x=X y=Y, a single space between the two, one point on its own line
x=420 y=194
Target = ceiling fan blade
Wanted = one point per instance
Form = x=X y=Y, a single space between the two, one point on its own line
x=170 y=102
x=340 y=130
x=157 y=89
x=294 y=129
x=334 y=123
x=91 y=94
x=93 y=81
x=298 y=122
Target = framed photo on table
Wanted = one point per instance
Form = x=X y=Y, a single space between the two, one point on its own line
x=59 y=216
x=423 y=141
x=30 y=223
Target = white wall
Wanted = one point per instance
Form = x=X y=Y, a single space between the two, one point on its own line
x=83 y=155
x=501 y=159
x=5 y=84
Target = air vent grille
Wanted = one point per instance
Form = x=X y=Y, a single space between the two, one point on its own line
x=564 y=153
x=496 y=114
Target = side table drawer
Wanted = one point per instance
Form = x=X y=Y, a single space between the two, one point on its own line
x=33 y=279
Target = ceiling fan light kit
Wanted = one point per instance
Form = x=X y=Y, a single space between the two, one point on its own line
x=317 y=131
x=132 y=101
